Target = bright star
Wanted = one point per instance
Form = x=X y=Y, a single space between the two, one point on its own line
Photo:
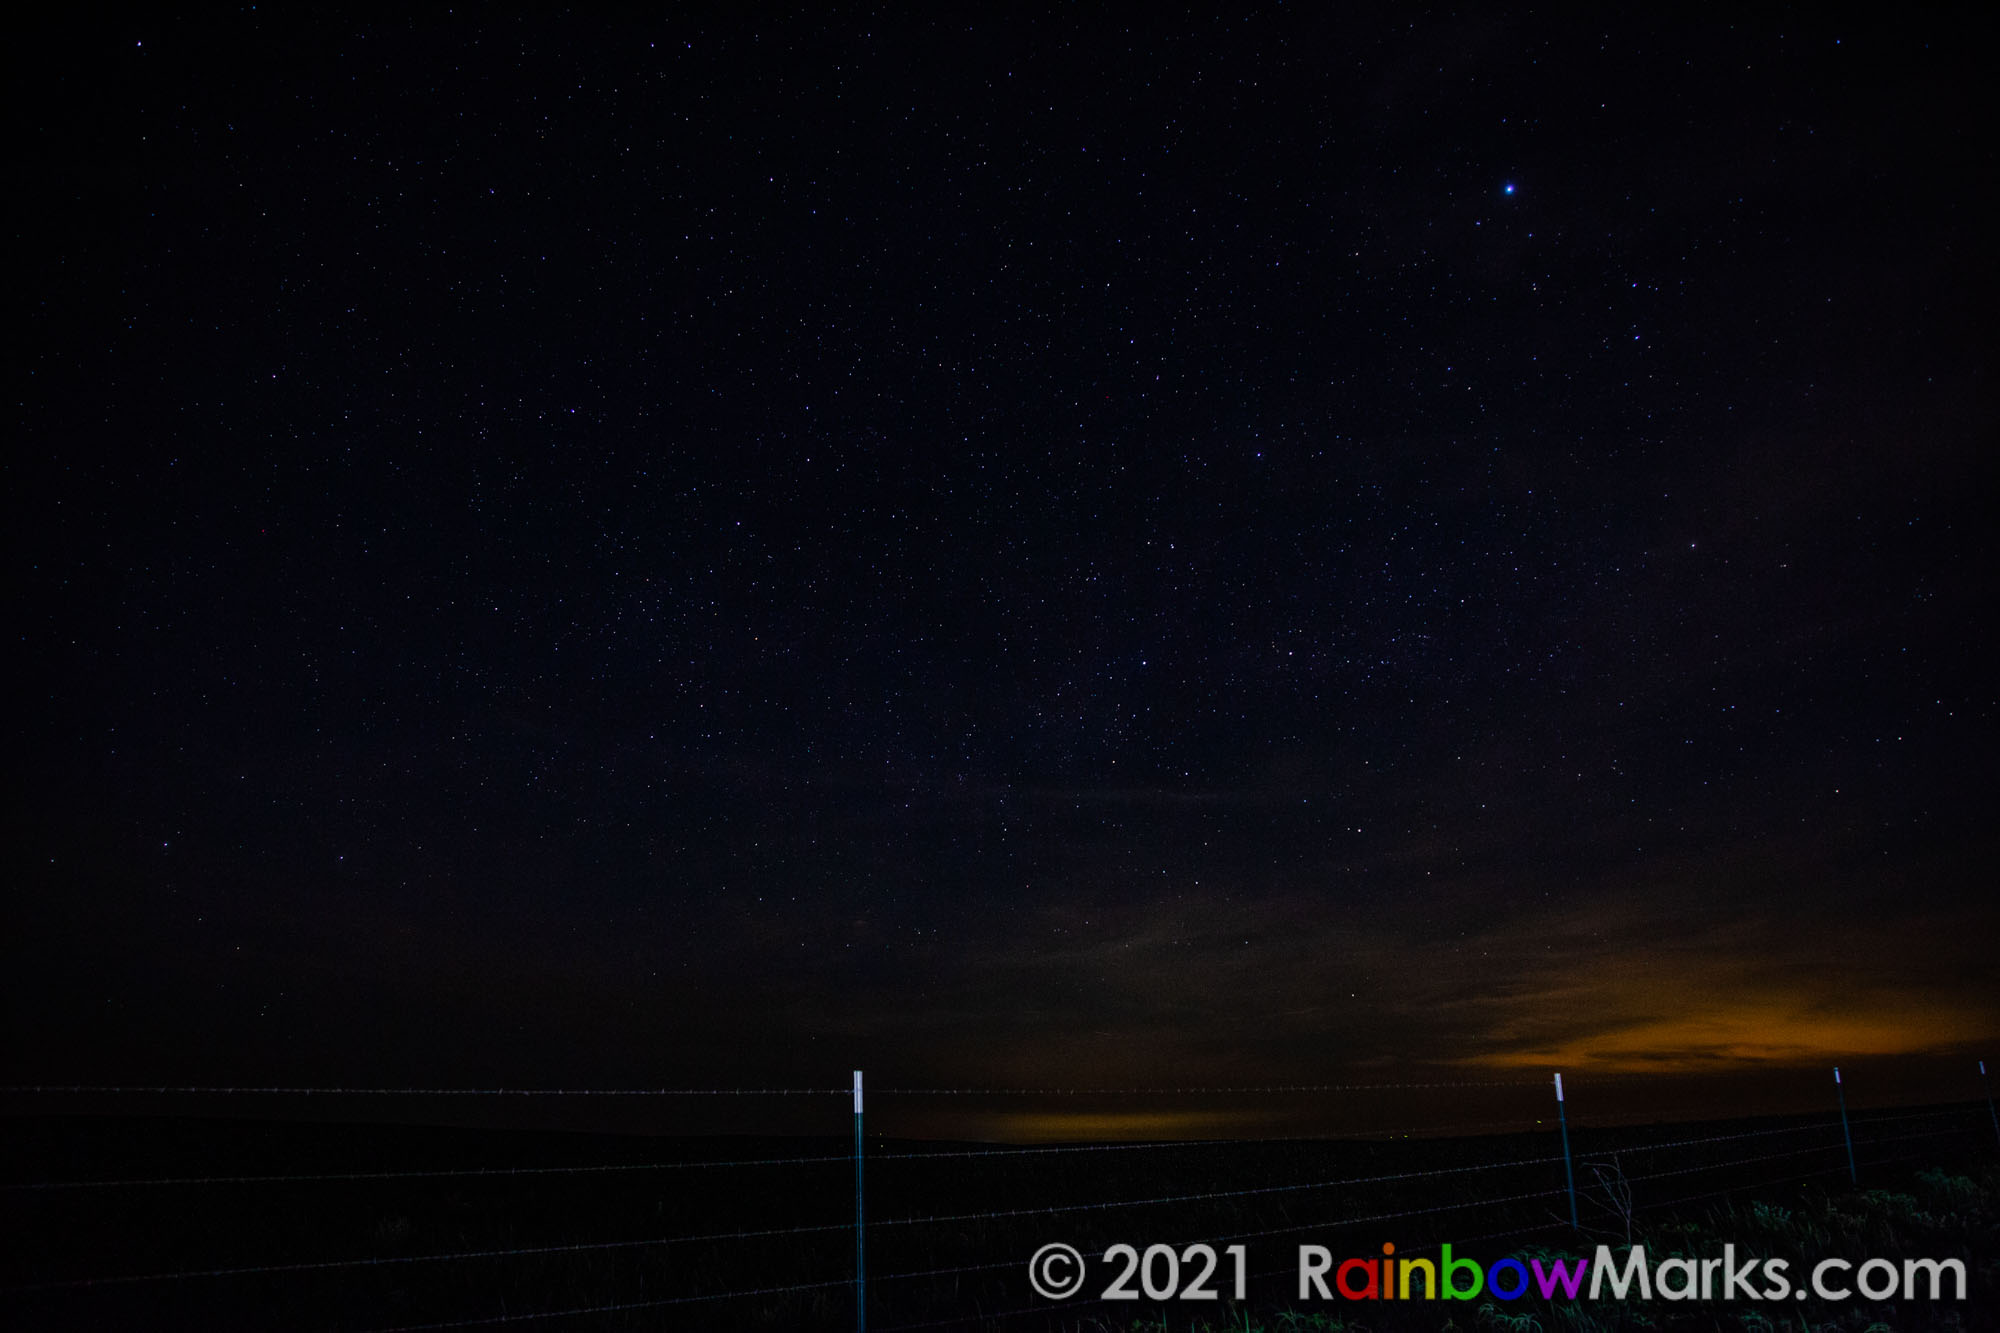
x=1508 y=188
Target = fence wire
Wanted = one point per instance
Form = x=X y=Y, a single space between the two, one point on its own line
x=1862 y=1123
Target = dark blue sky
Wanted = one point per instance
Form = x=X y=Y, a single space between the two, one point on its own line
x=1006 y=549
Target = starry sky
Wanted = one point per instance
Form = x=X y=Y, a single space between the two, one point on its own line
x=1004 y=549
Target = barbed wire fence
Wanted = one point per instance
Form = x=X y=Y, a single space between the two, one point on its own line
x=1518 y=1171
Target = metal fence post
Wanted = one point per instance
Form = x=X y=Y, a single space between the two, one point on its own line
x=1569 y=1171
x=1853 y=1177
x=860 y=1220
x=1989 y=1099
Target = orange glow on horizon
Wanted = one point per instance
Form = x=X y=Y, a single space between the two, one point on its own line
x=1111 y=1126
x=1750 y=1033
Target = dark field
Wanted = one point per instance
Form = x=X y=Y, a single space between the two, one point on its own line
x=974 y=1211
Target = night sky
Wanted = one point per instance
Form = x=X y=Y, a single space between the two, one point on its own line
x=997 y=551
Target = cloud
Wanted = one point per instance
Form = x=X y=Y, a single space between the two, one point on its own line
x=1751 y=1030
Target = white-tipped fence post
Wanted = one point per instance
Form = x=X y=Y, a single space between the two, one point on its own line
x=1989 y=1099
x=1569 y=1171
x=1853 y=1176
x=860 y=1221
